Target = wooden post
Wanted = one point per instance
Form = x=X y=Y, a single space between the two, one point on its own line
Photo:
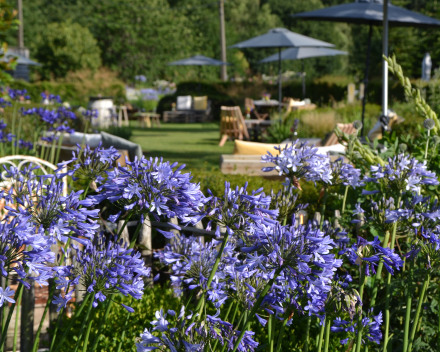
x=176 y=232
x=125 y=237
x=145 y=240
x=199 y=225
x=27 y=318
x=317 y=219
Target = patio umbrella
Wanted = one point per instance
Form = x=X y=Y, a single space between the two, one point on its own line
x=281 y=38
x=198 y=60
x=303 y=53
x=370 y=12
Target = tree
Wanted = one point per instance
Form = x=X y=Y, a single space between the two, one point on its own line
x=64 y=47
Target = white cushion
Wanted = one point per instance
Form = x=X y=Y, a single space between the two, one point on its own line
x=92 y=140
x=184 y=102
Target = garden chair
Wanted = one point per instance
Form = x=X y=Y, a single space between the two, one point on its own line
x=332 y=139
x=122 y=114
x=232 y=124
x=249 y=105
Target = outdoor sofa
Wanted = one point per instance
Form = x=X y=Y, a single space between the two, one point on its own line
x=189 y=109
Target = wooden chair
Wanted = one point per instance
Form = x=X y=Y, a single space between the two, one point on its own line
x=122 y=114
x=249 y=104
x=232 y=124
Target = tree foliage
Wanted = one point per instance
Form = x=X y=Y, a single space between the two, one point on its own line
x=65 y=47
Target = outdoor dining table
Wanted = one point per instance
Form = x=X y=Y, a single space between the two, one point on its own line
x=263 y=103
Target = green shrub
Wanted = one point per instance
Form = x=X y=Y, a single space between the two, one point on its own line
x=123 y=131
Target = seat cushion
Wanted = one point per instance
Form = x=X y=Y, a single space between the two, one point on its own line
x=254 y=148
x=200 y=103
x=184 y=102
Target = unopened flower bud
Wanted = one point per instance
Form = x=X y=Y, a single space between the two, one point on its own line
x=429 y=124
x=436 y=139
x=357 y=124
x=403 y=147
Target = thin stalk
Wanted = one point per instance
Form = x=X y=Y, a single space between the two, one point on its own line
x=213 y=271
x=321 y=336
x=427 y=144
x=256 y=307
x=14 y=115
x=378 y=273
x=224 y=319
x=272 y=340
x=189 y=299
x=327 y=334
x=388 y=288
x=20 y=118
x=86 y=338
x=60 y=142
x=306 y=345
x=17 y=318
x=8 y=320
x=101 y=324
x=52 y=150
x=281 y=334
x=83 y=325
x=359 y=322
x=419 y=324
x=419 y=308
x=83 y=140
x=269 y=331
x=49 y=301
x=345 y=198
x=135 y=236
x=123 y=333
x=235 y=314
x=438 y=331
x=324 y=199
x=408 y=307
x=60 y=320
x=124 y=224
x=72 y=321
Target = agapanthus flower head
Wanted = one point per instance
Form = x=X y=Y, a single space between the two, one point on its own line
x=179 y=333
x=25 y=251
x=297 y=161
x=156 y=187
x=370 y=328
x=90 y=164
x=403 y=173
x=237 y=209
x=18 y=94
x=51 y=98
x=90 y=113
x=345 y=174
x=105 y=267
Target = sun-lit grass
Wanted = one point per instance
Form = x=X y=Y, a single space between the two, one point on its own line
x=195 y=144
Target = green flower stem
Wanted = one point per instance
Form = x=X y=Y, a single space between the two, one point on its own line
x=17 y=318
x=327 y=334
x=269 y=332
x=419 y=308
x=427 y=144
x=101 y=324
x=235 y=314
x=60 y=142
x=52 y=151
x=272 y=340
x=86 y=338
x=281 y=334
x=345 y=198
x=359 y=322
x=419 y=325
x=20 y=119
x=408 y=307
x=8 y=320
x=324 y=199
x=378 y=273
x=72 y=321
x=225 y=319
x=14 y=116
x=388 y=287
x=136 y=234
x=123 y=333
x=84 y=322
x=321 y=336
x=124 y=224
x=58 y=324
x=48 y=303
x=306 y=345
x=256 y=307
x=199 y=307
x=438 y=331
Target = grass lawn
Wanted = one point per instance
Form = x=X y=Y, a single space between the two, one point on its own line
x=195 y=144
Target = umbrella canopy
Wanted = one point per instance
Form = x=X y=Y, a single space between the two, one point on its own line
x=303 y=53
x=281 y=38
x=198 y=60
x=21 y=60
x=369 y=12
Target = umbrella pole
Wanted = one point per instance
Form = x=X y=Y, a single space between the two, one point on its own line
x=367 y=66
x=303 y=79
x=384 y=62
x=200 y=87
x=279 y=82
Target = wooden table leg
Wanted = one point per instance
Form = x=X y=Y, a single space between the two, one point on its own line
x=148 y=121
